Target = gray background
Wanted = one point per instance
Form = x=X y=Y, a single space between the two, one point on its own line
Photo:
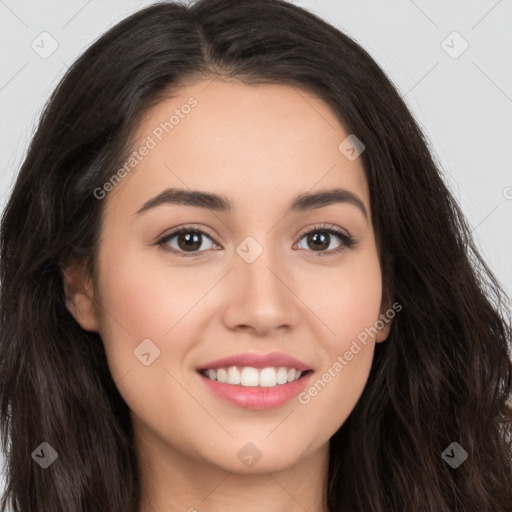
x=463 y=102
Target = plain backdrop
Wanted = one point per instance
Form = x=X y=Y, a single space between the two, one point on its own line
x=450 y=60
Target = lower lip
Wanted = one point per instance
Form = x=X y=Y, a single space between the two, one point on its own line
x=252 y=397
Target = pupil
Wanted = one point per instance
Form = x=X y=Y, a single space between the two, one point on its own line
x=314 y=238
x=191 y=241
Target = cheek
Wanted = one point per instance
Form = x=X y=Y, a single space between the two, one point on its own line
x=143 y=300
x=146 y=297
x=346 y=299
x=349 y=304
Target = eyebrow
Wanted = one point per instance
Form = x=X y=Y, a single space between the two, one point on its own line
x=221 y=203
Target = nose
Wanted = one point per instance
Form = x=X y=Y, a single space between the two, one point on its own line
x=261 y=297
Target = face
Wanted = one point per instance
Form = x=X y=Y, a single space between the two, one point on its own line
x=279 y=282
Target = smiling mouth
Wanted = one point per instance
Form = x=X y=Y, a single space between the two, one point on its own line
x=254 y=377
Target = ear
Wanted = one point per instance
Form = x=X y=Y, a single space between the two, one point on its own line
x=79 y=292
x=384 y=322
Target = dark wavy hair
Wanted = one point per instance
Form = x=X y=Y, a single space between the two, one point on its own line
x=443 y=375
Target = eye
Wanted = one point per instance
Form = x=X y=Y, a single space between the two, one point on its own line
x=320 y=238
x=188 y=240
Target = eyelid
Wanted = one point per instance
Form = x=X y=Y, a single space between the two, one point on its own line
x=324 y=227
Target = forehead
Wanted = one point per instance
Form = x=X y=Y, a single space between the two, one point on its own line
x=257 y=144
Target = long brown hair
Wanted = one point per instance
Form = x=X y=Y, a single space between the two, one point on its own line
x=444 y=375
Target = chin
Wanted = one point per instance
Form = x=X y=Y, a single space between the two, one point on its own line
x=264 y=456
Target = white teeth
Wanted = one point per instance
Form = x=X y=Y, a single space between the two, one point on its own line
x=268 y=377
x=282 y=376
x=233 y=375
x=249 y=376
x=222 y=375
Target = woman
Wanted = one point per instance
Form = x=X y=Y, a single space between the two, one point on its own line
x=232 y=277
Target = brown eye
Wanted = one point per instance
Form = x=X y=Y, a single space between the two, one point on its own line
x=318 y=240
x=186 y=240
x=321 y=240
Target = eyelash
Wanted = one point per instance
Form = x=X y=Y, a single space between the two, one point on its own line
x=347 y=241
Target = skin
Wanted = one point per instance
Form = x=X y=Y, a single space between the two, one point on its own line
x=262 y=146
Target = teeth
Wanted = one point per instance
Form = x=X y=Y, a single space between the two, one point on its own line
x=282 y=376
x=222 y=375
x=268 y=377
x=249 y=376
x=233 y=375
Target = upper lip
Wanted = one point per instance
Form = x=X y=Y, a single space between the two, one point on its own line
x=256 y=360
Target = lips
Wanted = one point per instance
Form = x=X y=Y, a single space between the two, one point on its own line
x=256 y=381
